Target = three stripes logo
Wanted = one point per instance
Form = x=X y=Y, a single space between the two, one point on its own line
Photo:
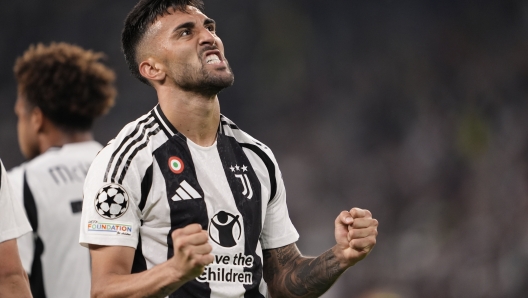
x=186 y=192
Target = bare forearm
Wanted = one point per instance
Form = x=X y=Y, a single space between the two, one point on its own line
x=15 y=285
x=160 y=281
x=112 y=265
x=290 y=275
x=13 y=279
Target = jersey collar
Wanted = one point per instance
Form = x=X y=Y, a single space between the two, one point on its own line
x=170 y=130
x=165 y=124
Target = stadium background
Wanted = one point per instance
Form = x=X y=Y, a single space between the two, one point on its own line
x=416 y=110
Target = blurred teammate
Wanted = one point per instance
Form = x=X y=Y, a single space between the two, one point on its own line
x=183 y=202
x=62 y=88
x=13 y=224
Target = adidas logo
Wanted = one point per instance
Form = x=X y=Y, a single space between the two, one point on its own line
x=185 y=192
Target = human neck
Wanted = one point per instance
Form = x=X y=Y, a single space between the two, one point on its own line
x=195 y=116
x=57 y=138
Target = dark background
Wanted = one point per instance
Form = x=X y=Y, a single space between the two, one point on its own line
x=415 y=110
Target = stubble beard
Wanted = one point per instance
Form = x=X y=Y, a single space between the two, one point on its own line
x=201 y=81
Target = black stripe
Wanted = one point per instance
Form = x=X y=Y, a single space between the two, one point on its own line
x=76 y=206
x=269 y=165
x=36 y=278
x=129 y=160
x=231 y=153
x=146 y=184
x=125 y=140
x=166 y=121
x=184 y=212
x=233 y=126
x=127 y=149
x=139 y=264
x=1 y=170
x=167 y=133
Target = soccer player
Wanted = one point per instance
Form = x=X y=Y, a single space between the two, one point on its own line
x=62 y=88
x=13 y=224
x=182 y=203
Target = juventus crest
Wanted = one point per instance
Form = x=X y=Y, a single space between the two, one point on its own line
x=240 y=175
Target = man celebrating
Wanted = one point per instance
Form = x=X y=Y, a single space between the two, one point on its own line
x=182 y=203
x=62 y=89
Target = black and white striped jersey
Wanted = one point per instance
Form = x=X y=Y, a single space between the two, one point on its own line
x=50 y=189
x=13 y=221
x=151 y=180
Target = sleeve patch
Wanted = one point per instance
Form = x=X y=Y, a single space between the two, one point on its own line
x=109 y=228
x=111 y=201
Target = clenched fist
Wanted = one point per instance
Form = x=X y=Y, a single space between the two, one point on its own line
x=355 y=233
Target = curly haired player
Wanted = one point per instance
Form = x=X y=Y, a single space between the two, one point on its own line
x=62 y=89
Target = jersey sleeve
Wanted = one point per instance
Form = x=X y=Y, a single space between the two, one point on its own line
x=111 y=195
x=26 y=242
x=278 y=229
x=13 y=220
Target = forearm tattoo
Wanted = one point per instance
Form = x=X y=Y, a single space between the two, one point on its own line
x=289 y=274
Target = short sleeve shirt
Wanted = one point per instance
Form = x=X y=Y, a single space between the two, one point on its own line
x=13 y=220
x=151 y=180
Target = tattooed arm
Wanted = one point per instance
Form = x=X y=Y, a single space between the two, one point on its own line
x=289 y=274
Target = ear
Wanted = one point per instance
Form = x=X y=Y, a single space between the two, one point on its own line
x=37 y=120
x=152 y=70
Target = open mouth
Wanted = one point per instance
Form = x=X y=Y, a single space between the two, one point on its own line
x=212 y=59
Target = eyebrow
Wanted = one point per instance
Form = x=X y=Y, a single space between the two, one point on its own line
x=209 y=21
x=187 y=25
x=190 y=25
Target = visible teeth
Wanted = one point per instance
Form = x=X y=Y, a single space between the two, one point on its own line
x=212 y=59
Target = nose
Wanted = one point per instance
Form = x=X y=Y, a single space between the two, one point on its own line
x=207 y=37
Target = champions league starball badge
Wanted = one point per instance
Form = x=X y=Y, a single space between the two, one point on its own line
x=111 y=201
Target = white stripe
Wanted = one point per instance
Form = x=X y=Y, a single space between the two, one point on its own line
x=125 y=145
x=176 y=197
x=190 y=190
x=163 y=122
x=183 y=194
x=125 y=155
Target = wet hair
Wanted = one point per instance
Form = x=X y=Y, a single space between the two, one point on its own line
x=69 y=84
x=139 y=20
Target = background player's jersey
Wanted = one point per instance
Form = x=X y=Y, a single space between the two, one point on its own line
x=13 y=221
x=151 y=180
x=50 y=187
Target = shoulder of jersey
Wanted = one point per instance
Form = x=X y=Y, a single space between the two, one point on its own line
x=229 y=128
x=16 y=176
x=121 y=152
x=134 y=132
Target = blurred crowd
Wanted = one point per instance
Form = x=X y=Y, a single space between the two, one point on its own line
x=415 y=110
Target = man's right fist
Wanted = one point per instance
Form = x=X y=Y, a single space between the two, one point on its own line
x=192 y=251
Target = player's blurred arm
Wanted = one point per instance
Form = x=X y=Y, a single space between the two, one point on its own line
x=289 y=274
x=111 y=267
x=13 y=279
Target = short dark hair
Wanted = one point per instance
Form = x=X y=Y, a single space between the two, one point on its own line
x=68 y=83
x=138 y=21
